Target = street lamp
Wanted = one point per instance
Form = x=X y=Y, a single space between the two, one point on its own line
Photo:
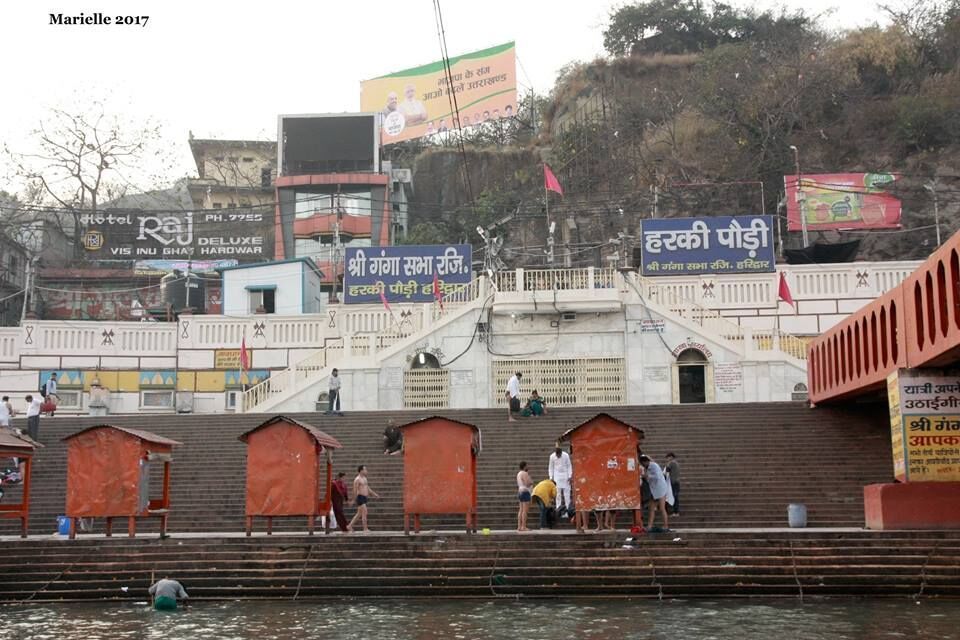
x=800 y=196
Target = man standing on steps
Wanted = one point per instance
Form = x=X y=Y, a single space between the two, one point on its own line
x=513 y=390
x=653 y=474
x=33 y=417
x=560 y=471
x=673 y=476
x=50 y=392
x=362 y=493
x=333 y=407
x=340 y=494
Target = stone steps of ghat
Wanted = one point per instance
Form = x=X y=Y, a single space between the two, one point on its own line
x=742 y=464
x=679 y=564
x=708 y=565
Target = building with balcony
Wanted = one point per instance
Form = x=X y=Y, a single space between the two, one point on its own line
x=232 y=173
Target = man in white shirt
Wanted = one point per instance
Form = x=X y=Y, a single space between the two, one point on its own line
x=513 y=390
x=333 y=406
x=560 y=470
x=33 y=417
x=413 y=110
x=6 y=412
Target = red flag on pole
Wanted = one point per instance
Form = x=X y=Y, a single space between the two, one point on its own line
x=784 y=292
x=244 y=355
x=436 y=291
x=383 y=298
x=550 y=182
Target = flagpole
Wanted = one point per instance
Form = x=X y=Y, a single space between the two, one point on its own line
x=546 y=207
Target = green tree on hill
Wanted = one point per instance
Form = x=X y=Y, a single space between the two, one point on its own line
x=690 y=26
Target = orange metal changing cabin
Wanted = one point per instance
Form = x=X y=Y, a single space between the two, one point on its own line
x=13 y=447
x=606 y=469
x=284 y=475
x=108 y=476
x=440 y=470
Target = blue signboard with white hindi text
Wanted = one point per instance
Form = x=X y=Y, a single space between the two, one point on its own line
x=405 y=273
x=720 y=244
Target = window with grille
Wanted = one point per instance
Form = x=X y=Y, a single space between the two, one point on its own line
x=564 y=382
x=426 y=389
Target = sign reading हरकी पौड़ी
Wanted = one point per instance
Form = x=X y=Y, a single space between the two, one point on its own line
x=720 y=244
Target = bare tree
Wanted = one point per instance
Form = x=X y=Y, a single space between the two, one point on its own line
x=79 y=161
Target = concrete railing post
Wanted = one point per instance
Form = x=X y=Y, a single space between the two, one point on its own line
x=748 y=346
x=518 y=286
x=591 y=275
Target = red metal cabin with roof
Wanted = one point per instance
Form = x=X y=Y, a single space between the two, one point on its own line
x=12 y=446
x=286 y=475
x=439 y=470
x=606 y=469
x=108 y=476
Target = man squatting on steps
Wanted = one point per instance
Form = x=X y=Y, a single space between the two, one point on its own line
x=560 y=471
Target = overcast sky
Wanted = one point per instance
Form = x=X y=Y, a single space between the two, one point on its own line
x=227 y=68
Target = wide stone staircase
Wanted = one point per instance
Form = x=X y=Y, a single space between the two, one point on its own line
x=741 y=464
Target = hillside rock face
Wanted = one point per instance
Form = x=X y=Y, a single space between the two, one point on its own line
x=708 y=134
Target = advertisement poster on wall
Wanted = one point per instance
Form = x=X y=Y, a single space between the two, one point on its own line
x=720 y=244
x=841 y=201
x=406 y=273
x=416 y=102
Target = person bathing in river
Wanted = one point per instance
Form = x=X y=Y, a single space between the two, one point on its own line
x=165 y=594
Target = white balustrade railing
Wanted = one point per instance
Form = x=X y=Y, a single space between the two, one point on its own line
x=10 y=344
x=54 y=337
x=855 y=280
x=557 y=279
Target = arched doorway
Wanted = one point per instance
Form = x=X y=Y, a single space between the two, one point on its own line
x=425 y=360
x=691 y=376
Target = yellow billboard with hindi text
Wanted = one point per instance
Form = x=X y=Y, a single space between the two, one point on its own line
x=925 y=424
x=418 y=102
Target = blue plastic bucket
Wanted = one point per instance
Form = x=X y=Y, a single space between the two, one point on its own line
x=63 y=525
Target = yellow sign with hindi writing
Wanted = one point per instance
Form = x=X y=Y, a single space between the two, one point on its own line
x=228 y=359
x=925 y=424
x=896 y=427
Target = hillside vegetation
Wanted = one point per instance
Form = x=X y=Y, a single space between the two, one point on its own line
x=693 y=93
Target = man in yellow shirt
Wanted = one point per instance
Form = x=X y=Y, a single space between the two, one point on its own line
x=544 y=495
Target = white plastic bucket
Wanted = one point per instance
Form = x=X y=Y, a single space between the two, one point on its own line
x=797 y=515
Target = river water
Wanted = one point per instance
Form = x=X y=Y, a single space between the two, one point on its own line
x=507 y=619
